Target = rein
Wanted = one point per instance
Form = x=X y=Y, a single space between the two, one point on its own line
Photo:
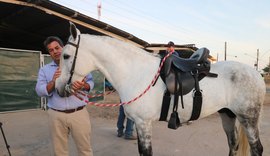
x=128 y=102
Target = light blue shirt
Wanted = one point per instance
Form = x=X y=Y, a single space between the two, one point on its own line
x=45 y=75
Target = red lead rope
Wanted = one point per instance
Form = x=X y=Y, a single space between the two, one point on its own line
x=123 y=103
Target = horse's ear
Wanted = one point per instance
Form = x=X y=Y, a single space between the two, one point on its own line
x=74 y=32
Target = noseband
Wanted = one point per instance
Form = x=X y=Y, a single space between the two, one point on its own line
x=67 y=87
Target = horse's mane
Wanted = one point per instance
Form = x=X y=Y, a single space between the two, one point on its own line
x=125 y=46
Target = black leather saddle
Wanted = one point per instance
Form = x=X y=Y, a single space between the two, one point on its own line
x=181 y=76
x=184 y=69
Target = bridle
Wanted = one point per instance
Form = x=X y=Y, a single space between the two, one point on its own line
x=67 y=87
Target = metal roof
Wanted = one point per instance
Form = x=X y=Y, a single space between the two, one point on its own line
x=25 y=24
x=157 y=46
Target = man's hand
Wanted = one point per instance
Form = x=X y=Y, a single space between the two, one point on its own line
x=79 y=85
x=51 y=85
x=56 y=74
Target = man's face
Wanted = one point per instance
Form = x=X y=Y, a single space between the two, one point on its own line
x=170 y=49
x=55 y=51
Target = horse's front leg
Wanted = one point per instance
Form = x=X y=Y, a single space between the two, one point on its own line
x=144 y=132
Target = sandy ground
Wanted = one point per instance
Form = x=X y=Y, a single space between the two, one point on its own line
x=27 y=134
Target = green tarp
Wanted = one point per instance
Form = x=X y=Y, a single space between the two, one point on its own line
x=18 y=74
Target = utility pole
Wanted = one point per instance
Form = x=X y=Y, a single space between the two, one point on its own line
x=269 y=67
x=225 y=54
x=257 y=60
x=99 y=9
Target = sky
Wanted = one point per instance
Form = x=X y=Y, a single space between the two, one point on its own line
x=243 y=24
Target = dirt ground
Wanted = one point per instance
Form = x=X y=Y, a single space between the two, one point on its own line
x=27 y=134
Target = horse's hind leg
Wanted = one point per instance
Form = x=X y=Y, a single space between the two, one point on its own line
x=228 y=123
x=144 y=132
x=249 y=123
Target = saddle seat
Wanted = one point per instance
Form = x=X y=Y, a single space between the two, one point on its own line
x=189 y=64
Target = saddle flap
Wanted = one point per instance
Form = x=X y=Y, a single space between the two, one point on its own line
x=185 y=83
x=188 y=83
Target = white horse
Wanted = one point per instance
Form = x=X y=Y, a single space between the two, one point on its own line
x=237 y=93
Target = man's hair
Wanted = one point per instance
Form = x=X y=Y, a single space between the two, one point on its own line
x=170 y=44
x=50 y=39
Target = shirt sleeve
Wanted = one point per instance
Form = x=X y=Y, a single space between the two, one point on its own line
x=176 y=53
x=41 y=86
x=90 y=81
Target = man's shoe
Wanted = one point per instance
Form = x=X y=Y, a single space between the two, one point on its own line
x=131 y=137
x=120 y=133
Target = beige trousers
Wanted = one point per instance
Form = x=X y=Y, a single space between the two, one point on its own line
x=77 y=124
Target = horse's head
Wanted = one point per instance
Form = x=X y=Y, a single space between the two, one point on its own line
x=72 y=63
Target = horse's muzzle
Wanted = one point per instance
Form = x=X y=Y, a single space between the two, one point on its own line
x=65 y=92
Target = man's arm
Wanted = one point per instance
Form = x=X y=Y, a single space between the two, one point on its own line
x=51 y=85
x=42 y=82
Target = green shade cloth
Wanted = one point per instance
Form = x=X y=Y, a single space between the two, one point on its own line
x=18 y=75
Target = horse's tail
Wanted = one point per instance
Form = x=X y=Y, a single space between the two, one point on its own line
x=243 y=148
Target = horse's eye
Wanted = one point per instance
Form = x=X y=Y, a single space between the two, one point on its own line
x=66 y=56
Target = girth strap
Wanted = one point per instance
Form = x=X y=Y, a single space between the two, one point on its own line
x=197 y=99
x=165 y=106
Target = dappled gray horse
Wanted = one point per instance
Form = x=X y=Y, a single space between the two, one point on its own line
x=237 y=93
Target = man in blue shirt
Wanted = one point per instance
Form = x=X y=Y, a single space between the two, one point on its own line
x=170 y=48
x=67 y=115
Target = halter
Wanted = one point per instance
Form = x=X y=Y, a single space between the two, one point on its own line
x=67 y=87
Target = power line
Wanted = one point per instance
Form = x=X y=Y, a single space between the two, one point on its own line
x=153 y=20
x=265 y=53
x=177 y=33
x=77 y=8
x=145 y=15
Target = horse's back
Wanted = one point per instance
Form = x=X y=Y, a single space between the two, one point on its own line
x=241 y=82
x=238 y=74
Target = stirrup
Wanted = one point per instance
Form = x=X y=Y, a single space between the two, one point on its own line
x=174 y=121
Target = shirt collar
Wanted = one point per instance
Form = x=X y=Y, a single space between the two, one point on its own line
x=53 y=64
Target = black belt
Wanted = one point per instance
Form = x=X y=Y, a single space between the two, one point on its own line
x=69 y=110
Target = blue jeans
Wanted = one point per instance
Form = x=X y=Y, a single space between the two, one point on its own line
x=121 y=120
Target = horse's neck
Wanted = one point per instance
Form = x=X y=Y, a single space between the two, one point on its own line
x=126 y=67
